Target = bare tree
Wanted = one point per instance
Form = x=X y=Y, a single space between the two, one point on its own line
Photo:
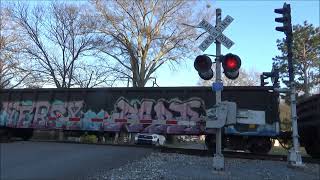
x=246 y=78
x=59 y=40
x=89 y=76
x=12 y=73
x=141 y=36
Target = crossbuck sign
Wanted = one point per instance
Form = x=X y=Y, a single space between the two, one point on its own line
x=216 y=33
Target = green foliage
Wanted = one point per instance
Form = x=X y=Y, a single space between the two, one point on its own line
x=89 y=138
x=285 y=116
x=306 y=57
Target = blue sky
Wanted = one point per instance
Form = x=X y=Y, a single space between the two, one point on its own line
x=252 y=31
x=254 y=34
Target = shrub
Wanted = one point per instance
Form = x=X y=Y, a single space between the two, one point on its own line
x=89 y=138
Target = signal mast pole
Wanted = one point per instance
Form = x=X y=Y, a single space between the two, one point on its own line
x=218 y=159
x=294 y=156
x=231 y=64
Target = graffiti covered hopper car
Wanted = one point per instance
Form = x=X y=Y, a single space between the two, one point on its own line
x=171 y=110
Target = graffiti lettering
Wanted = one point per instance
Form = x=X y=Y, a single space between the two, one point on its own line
x=145 y=109
x=25 y=115
x=185 y=109
x=162 y=112
x=71 y=115
x=41 y=114
x=75 y=107
x=125 y=110
x=12 y=110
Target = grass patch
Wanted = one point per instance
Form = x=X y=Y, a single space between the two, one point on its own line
x=89 y=139
x=281 y=151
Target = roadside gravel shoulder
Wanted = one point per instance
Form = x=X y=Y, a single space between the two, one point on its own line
x=178 y=166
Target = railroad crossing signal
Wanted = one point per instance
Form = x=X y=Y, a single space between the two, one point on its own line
x=203 y=65
x=216 y=33
x=231 y=64
x=285 y=19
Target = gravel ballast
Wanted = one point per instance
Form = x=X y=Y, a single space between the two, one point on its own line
x=178 y=166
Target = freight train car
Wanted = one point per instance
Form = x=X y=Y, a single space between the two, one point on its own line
x=308 y=111
x=167 y=111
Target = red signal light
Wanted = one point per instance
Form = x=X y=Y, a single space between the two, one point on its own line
x=231 y=64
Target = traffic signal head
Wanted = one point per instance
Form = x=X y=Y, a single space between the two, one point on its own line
x=262 y=78
x=274 y=75
x=285 y=19
x=203 y=65
x=231 y=64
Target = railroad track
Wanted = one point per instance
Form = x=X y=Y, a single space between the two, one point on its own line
x=197 y=152
x=232 y=154
x=75 y=142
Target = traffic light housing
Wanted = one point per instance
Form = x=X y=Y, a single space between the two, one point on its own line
x=274 y=75
x=262 y=78
x=203 y=65
x=285 y=19
x=231 y=64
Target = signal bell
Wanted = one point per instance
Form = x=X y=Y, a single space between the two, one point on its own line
x=231 y=64
x=203 y=65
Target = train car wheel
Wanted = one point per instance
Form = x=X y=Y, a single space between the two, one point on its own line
x=24 y=134
x=5 y=135
x=313 y=148
x=260 y=145
x=27 y=136
x=210 y=141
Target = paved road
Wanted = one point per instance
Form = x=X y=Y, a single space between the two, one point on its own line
x=43 y=160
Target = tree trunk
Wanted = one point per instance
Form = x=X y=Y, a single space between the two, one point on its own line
x=306 y=84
